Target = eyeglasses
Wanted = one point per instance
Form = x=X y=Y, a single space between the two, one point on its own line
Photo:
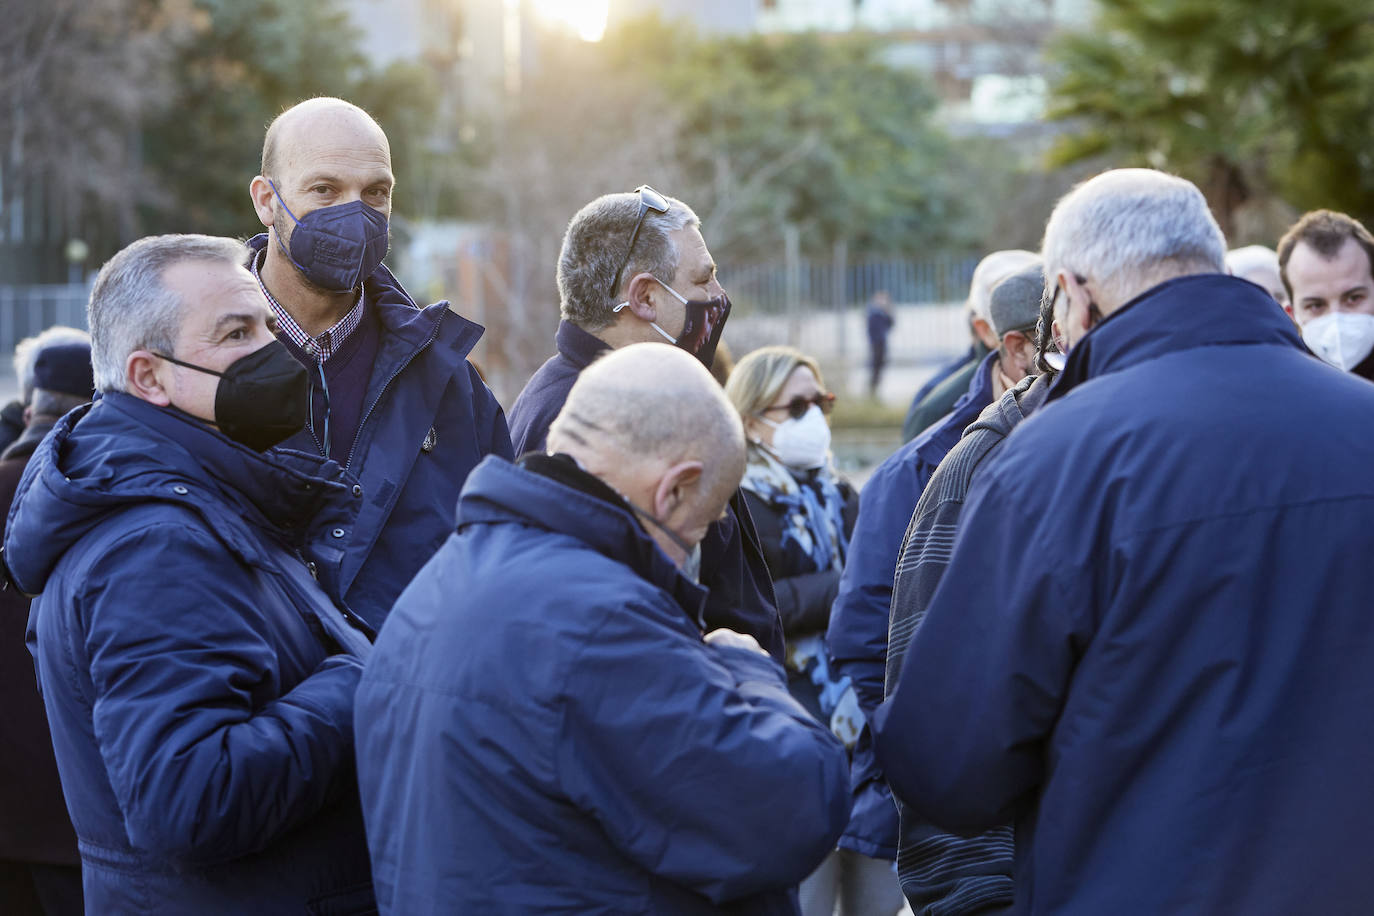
x=649 y=199
x=798 y=406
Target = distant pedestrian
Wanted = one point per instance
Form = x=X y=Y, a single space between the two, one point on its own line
x=880 y=322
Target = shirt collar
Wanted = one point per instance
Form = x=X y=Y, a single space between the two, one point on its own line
x=323 y=345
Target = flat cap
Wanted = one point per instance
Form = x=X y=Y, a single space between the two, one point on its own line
x=1015 y=302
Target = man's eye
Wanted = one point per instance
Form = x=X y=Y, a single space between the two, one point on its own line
x=320 y=189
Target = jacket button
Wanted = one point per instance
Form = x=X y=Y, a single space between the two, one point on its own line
x=357 y=490
x=179 y=490
x=337 y=532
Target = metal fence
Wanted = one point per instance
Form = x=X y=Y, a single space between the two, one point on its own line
x=807 y=285
x=26 y=310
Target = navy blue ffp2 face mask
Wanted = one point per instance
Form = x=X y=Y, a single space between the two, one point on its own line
x=337 y=247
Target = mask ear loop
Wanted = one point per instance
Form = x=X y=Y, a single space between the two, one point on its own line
x=280 y=244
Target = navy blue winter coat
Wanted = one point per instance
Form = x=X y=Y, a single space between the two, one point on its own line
x=427 y=420
x=732 y=560
x=857 y=635
x=198 y=681
x=542 y=729
x=1153 y=641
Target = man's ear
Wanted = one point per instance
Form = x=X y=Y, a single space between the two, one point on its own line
x=983 y=330
x=640 y=294
x=1022 y=345
x=140 y=374
x=675 y=488
x=262 y=195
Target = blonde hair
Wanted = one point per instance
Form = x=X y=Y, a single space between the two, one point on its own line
x=760 y=375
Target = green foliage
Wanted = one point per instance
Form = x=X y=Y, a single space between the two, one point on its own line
x=247 y=61
x=1246 y=99
x=817 y=132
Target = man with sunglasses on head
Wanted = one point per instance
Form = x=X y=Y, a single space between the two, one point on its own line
x=392 y=396
x=634 y=268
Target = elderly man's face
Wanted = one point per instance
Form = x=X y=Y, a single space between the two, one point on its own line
x=224 y=318
x=1322 y=286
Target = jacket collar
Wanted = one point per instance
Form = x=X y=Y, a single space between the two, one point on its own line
x=122 y=452
x=1185 y=313
x=537 y=493
x=577 y=346
x=286 y=488
x=400 y=316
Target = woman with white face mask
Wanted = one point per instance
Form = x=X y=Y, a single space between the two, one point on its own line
x=805 y=514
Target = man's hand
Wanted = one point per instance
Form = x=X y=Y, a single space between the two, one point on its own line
x=724 y=637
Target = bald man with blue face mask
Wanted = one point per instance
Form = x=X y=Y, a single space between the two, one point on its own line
x=393 y=397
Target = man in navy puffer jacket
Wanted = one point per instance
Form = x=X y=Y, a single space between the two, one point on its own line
x=197 y=673
x=544 y=728
x=1151 y=647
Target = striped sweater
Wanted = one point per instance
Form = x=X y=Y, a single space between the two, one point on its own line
x=943 y=874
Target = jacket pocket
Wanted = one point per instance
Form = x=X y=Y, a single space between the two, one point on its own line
x=355 y=900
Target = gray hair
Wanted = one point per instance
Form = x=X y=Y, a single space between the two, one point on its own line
x=131 y=309
x=1129 y=228
x=597 y=243
x=27 y=350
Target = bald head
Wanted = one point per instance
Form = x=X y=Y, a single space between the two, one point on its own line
x=317 y=124
x=649 y=420
x=652 y=404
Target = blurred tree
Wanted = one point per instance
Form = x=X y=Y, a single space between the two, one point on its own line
x=1246 y=99
x=76 y=79
x=248 y=61
x=819 y=133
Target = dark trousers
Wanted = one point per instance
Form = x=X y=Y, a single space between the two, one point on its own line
x=31 y=889
x=878 y=351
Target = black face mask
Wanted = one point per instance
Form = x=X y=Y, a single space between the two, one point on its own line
x=703 y=324
x=262 y=398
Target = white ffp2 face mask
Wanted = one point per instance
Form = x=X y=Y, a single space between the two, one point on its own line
x=803 y=443
x=1342 y=339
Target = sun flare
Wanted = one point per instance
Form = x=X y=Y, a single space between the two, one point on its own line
x=585 y=17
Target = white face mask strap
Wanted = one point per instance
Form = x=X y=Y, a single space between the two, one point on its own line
x=666 y=336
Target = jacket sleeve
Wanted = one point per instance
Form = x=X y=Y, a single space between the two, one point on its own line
x=856 y=638
x=207 y=759
x=804 y=598
x=733 y=568
x=696 y=761
x=962 y=738
x=804 y=601
x=490 y=418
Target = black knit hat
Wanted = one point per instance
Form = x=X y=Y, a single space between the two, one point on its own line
x=65 y=368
